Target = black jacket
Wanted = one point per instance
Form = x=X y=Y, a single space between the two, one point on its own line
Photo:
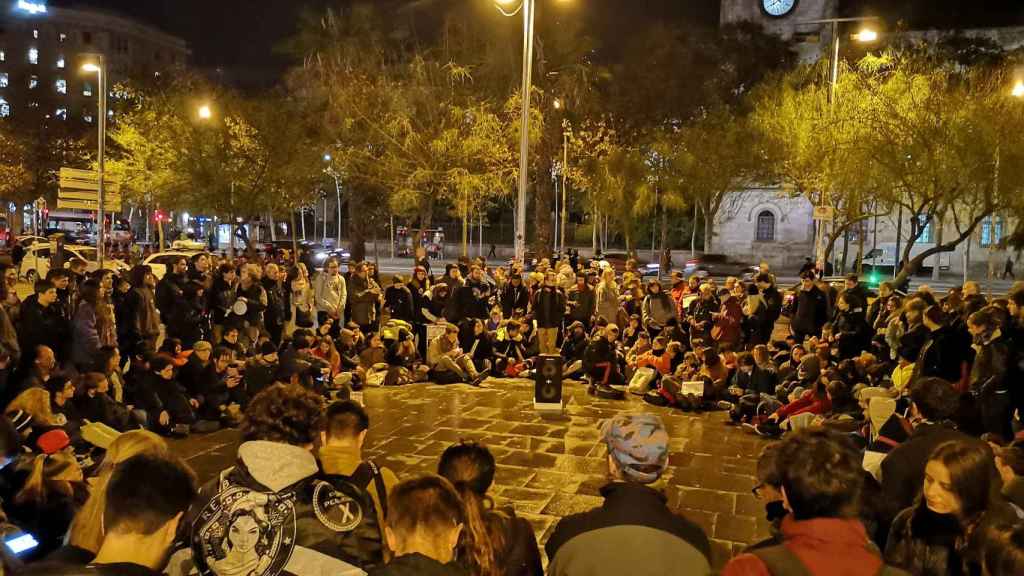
x=277 y=312
x=155 y=395
x=398 y=299
x=514 y=298
x=39 y=326
x=583 y=304
x=170 y=295
x=852 y=331
x=903 y=468
x=945 y=354
x=759 y=381
x=549 y=307
x=661 y=542
x=810 y=311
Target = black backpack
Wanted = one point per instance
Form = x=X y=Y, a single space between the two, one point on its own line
x=344 y=505
x=780 y=561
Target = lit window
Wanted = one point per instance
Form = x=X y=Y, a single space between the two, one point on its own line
x=61 y=85
x=4 y=79
x=33 y=104
x=110 y=113
x=3 y=56
x=88 y=118
x=33 y=56
x=87 y=89
x=60 y=61
x=35 y=34
x=923 y=221
x=5 y=108
x=33 y=81
x=62 y=113
x=766 y=227
x=991 y=231
x=62 y=37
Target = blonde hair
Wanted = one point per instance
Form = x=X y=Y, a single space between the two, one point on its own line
x=86 y=530
x=608 y=276
x=56 y=472
x=36 y=403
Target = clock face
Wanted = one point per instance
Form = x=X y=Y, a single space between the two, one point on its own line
x=778 y=8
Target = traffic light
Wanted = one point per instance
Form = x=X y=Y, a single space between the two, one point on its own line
x=159 y=216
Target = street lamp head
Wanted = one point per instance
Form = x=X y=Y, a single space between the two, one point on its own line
x=91 y=67
x=205 y=113
x=866 y=35
x=327 y=158
x=1018 y=89
x=557 y=104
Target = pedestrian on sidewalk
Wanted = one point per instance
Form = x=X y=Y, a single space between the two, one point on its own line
x=1008 y=270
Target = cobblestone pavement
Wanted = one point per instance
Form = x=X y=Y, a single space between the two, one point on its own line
x=549 y=467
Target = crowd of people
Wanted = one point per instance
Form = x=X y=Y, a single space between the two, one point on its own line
x=899 y=416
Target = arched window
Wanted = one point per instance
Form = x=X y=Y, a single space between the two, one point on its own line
x=766 y=227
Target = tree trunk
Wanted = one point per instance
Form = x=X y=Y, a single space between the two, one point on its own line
x=846 y=253
x=938 y=240
x=295 y=240
x=593 y=232
x=543 y=197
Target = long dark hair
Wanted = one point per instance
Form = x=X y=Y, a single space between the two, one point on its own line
x=972 y=475
x=470 y=468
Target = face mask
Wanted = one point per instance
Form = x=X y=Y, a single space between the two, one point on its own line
x=775 y=510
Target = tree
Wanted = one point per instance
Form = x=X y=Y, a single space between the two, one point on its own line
x=15 y=176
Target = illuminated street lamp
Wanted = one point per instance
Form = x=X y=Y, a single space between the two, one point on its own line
x=205 y=113
x=1018 y=89
x=95 y=66
x=527 y=8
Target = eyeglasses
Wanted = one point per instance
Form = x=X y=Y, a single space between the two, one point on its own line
x=756 y=490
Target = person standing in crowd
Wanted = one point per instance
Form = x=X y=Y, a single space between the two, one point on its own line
x=657 y=308
x=661 y=542
x=142 y=312
x=363 y=294
x=549 y=307
x=221 y=297
x=40 y=323
x=515 y=298
x=93 y=327
x=810 y=309
x=331 y=295
x=276 y=314
x=582 y=302
x=607 y=296
x=398 y=300
x=169 y=291
x=947 y=354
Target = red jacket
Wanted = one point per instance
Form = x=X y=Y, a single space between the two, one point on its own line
x=661 y=363
x=807 y=402
x=825 y=546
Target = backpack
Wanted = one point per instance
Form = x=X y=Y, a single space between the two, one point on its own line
x=780 y=561
x=344 y=504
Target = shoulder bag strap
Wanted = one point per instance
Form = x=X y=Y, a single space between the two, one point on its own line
x=780 y=561
x=382 y=490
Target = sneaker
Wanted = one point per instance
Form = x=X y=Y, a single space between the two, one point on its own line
x=481 y=377
x=725 y=405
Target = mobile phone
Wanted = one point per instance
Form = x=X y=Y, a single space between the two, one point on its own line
x=20 y=543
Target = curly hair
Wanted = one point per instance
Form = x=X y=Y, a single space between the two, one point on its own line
x=286 y=413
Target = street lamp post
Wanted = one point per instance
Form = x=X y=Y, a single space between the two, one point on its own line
x=865 y=35
x=101 y=80
x=337 y=189
x=527 y=8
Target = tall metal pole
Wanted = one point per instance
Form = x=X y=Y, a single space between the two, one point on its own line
x=524 y=136
x=565 y=180
x=102 y=139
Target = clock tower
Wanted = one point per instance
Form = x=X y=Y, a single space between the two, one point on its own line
x=784 y=18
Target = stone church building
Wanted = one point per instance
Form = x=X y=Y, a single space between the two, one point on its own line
x=765 y=223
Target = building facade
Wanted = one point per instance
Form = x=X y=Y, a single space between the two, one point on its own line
x=742 y=226
x=42 y=50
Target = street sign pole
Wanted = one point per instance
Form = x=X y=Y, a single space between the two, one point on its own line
x=101 y=216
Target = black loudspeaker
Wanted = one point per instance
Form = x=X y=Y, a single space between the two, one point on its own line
x=547 y=392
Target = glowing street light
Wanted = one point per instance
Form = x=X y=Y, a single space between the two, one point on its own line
x=205 y=113
x=1018 y=89
x=866 y=35
x=327 y=158
x=557 y=104
x=97 y=67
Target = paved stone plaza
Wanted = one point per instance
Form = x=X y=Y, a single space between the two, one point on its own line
x=549 y=467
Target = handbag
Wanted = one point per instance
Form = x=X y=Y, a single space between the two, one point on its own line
x=641 y=380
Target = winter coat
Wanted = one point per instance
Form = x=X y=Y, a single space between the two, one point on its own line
x=276 y=312
x=825 y=546
x=549 y=307
x=607 y=296
x=514 y=298
x=807 y=403
x=810 y=311
x=929 y=544
x=170 y=294
x=330 y=294
x=757 y=328
x=420 y=300
x=85 y=343
x=658 y=309
x=729 y=323
x=38 y=326
x=398 y=299
x=255 y=303
x=852 y=331
x=299 y=541
x=945 y=355
x=361 y=298
x=660 y=541
x=221 y=298
x=155 y=395
x=991 y=363
x=759 y=381
x=582 y=304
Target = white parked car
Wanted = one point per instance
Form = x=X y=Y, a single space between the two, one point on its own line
x=36 y=263
x=159 y=262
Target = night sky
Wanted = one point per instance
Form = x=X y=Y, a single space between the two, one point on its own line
x=240 y=35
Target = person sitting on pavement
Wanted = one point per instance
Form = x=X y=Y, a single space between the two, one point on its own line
x=821 y=480
x=166 y=403
x=425 y=521
x=602 y=364
x=749 y=387
x=448 y=363
x=661 y=542
x=146 y=497
x=346 y=425
x=501 y=542
x=574 y=348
